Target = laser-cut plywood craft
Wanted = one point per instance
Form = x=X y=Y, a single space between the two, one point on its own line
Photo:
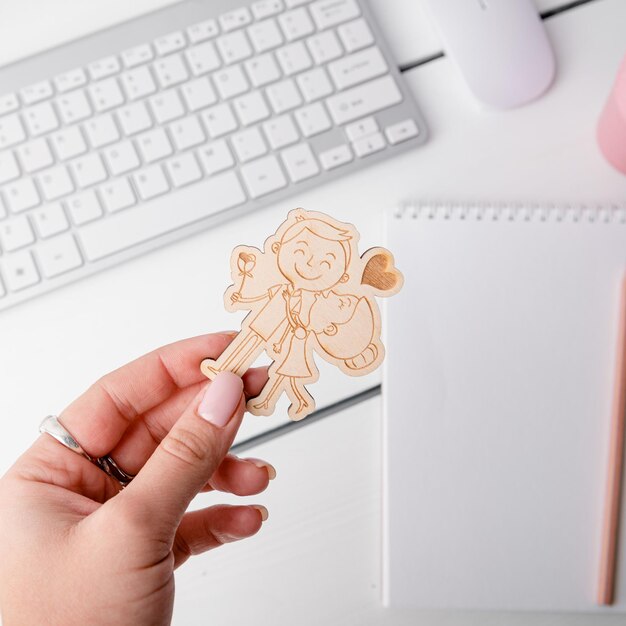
x=307 y=291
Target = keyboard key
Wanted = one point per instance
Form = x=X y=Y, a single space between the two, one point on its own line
x=281 y=131
x=16 y=233
x=183 y=170
x=235 y=19
x=215 y=157
x=295 y=3
x=234 y=47
x=106 y=94
x=154 y=145
x=263 y=176
x=151 y=182
x=313 y=119
x=266 y=8
x=34 y=155
x=70 y=80
x=9 y=168
x=101 y=130
x=55 y=182
x=293 y=58
x=406 y=129
x=167 y=106
x=248 y=144
x=187 y=133
x=129 y=228
x=300 y=162
x=324 y=47
x=202 y=31
x=37 y=92
x=170 y=71
x=58 y=255
x=230 y=82
x=21 y=195
x=369 y=145
x=355 y=35
x=137 y=55
x=11 y=131
x=339 y=155
x=296 y=24
x=203 y=58
x=40 y=119
x=68 y=143
x=3 y=209
x=251 y=108
x=8 y=103
x=265 y=35
x=50 y=219
x=134 y=118
x=73 y=106
x=138 y=83
x=104 y=67
x=328 y=13
x=117 y=195
x=219 y=120
x=171 y=42
x=20 y=271
x=283 y=96
x=362 y=128
x=84 y=207
x=198 y=93
x=121 y=158
x=262 y=70
x=363 y=100
x=88 y=170
x=357 y=68
x=314 y=84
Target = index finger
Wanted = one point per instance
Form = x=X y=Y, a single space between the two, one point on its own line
x=99 y=418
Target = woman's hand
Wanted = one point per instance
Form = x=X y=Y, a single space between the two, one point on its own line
x=74 y=547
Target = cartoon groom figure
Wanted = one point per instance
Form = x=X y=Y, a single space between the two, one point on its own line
x=308 y=290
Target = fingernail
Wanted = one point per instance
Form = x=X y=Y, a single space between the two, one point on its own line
x=262 y=510
x=271 y=470
x=220 y=399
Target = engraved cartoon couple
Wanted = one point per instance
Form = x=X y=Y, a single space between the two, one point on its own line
x=308 y=290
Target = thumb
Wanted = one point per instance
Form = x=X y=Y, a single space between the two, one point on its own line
x=187 y=457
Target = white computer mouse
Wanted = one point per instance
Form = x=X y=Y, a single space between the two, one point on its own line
x=500 y=47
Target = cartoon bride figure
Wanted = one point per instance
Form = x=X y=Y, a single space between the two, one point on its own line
x=307 y=291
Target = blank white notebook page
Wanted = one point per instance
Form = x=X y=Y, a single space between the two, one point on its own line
x=498 y=387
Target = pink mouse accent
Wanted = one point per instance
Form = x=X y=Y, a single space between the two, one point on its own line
x=612 y=124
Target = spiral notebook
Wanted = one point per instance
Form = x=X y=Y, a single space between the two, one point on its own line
x=497 y=390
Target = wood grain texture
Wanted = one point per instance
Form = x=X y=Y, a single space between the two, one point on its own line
x=308 y=291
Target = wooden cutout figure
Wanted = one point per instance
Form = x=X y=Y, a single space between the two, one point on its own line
x=307 y=291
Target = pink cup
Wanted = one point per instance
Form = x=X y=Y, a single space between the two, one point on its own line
x=612 y=124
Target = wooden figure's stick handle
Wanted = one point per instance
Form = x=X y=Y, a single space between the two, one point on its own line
x=608 y=557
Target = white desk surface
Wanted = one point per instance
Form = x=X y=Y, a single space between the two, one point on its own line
x=318 y=558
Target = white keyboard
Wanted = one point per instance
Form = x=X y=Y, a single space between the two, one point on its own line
x=178 y=116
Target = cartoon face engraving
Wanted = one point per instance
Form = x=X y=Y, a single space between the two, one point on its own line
x=307 y=291
x=312 y=262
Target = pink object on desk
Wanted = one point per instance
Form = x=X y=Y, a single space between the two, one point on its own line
x=612 y=124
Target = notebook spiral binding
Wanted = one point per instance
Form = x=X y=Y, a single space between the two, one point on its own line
x=514 y=212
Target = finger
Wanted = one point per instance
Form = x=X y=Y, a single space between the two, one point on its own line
x=99 y=417
x=186 y=458
x=144 y=435
x=243 y=477
x=210 y=528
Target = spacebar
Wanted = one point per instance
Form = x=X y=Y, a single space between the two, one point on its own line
x=161 y=215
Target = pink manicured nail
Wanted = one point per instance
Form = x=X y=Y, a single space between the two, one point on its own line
x=271 y=470
x=221 y=398
x=262 y=510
